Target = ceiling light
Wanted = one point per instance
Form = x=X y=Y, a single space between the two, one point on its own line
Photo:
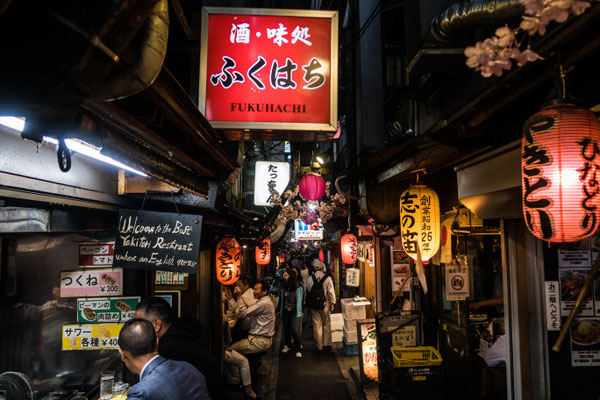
x=15 y=123
x=320 y=160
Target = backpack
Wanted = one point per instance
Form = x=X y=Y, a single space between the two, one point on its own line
x=315 y=300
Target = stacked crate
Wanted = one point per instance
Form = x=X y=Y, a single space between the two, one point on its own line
x=337 y=327
x=352 y=309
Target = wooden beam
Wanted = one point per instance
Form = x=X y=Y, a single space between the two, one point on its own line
x=141 y=184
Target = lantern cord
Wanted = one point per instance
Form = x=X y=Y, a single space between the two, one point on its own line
x=561 y=82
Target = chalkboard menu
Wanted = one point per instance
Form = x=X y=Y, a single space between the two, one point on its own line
x=158 y=241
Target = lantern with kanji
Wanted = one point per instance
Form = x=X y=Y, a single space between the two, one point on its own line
x=312 y=187
x=349 y=248
x=420 y=221
x=560 y=161
x=263 y=252
x=228 y=261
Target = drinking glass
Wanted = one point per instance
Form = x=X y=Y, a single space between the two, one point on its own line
x=106 y=384
x=118 y=385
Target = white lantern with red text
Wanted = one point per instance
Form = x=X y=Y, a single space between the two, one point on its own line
x=263 y=252
x=228 y=261
x=349 y=248
x=420 y=221
x=560 y=163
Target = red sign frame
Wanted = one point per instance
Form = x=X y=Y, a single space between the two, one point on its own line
x=269 y=69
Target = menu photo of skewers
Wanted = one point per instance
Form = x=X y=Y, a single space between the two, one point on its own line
x=571 y=284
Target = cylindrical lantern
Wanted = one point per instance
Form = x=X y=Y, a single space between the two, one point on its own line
x=321 y=255
x=560 y=159
x=349 y=248
x=263 y=252
x=228 y=261
x=312 y=187
x=420 y=221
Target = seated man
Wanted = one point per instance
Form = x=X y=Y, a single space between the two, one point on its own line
x=177 y=343
x=260 y=336
x=243 y=289
x=159 y=378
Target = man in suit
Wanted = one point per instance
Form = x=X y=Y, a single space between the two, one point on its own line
x=177 y=341
x=159 y=378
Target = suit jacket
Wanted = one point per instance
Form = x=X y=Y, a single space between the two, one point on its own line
x=180 y=344
x=168 y=379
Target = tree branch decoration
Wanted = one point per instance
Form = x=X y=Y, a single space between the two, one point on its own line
x=495 y=55
x=294 y=207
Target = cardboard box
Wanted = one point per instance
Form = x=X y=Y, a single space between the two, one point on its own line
x=350 y=336
x=349 y=325
x=337 y=322
x=336 y=336
x=354 y=307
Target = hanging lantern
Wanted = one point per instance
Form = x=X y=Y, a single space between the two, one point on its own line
x=321 y=255
x=228 y=261
x=560 y=158
x=349 y=248
x=263 y=252
x=420 y=221
x=312 y=187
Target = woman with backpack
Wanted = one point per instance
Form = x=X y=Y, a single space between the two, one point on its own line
x=320 y=299
x=291 y=300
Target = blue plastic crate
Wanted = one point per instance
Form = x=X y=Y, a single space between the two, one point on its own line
x=350 y=348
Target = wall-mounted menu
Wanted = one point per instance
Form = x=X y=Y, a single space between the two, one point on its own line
x=158 y=241
x=91 y=337
x=91 y=282
x=106 y=309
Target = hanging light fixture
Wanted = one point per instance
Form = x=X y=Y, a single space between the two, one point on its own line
x=312 y=187
x=228 y=261
x=263 y=252
x=420 y=221
x=349 y=248
x=560 y=162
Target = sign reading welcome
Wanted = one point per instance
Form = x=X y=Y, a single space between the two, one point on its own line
x=158 y=241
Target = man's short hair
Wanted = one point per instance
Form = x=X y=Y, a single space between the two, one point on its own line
x=156 y=307
x=245 y=280
x=264 y=286
x=137 y=337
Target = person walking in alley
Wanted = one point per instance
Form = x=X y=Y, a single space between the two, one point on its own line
x=260 y=336
x=320 y=299
x=291 y=301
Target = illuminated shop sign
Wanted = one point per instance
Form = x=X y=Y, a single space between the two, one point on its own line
x=269 y=172
x=269 y=69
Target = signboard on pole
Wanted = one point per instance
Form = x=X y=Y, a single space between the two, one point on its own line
x=91 y=282
x=158 y=241
x=269 y=69
x=457 y=282
x=106 y=309
x=269 y=172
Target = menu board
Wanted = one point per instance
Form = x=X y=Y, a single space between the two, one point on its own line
x=107 y=309
x=585 y=342
x=368 y=349
x=571 y=284
x=400 y=270
x=91 y=282
x=96 y=254
x=91 y=337
x=158 y=241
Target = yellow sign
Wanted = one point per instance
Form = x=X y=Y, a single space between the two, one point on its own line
x=91 y=337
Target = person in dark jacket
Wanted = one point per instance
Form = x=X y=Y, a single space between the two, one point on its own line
x=177 y=342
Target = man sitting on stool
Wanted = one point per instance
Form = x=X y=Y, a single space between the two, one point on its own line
x=260 y=336
x=159 y=378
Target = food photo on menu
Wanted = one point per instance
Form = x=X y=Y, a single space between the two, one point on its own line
x=585 y=335
x=571 y=284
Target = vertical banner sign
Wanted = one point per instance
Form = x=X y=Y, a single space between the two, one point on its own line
x=96 y=254
x=368 y=349
x=91 y=282
x=158 y=241
x=266 y=173
x=269 y=69
x=552 y=306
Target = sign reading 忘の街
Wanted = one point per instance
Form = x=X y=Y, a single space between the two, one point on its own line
x=158 y=241
x=269 y=69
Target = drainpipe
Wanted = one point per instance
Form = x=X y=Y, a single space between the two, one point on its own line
x=461 y=16
x=144 y=71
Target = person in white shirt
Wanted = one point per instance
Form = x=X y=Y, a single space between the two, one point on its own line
x=321 y=310
x=245 y=291
x=260 y=336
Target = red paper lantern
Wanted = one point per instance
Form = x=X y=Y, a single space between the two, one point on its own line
x=349 y=248
x=321 y=255
x=263 y=252
x=228 y=261
x=312 y=187
x=559 y=164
